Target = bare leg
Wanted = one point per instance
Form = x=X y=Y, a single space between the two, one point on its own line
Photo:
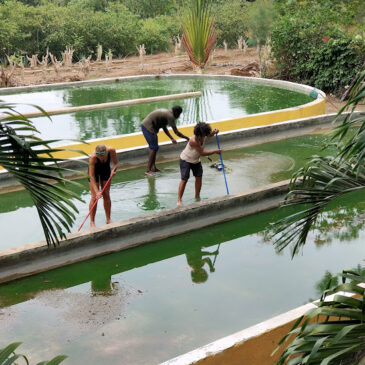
x=107 y=202
x=153 y=166
x=93 y=212
x=198 y=186
x=180 y=192
x=151 y=161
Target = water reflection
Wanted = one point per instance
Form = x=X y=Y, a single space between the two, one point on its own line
x=196 y=261
x=341 y=223
x=221 y=99
x=150 y=200
x=331 y=280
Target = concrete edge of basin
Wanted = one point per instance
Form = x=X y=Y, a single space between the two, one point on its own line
x=37 y=257
x=251 y=346
x=217 y=352
x=257 y=80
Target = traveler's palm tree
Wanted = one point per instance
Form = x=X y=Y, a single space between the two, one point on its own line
x=340 y=336
x=30 y=160
x=199 y=35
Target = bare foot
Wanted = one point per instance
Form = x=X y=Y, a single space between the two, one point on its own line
x=92 y=225
x=156 y=169
x=108 y=221
x=197 y=199
x=150 y=173
x=179 y=203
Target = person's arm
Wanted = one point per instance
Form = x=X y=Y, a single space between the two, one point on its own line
x=93 y=185
x=169 y=135
x=198 y=147
x=178 y=133
x=114 y=157
x=210 y=264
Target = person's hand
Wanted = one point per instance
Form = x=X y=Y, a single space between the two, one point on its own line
x=173 y=141
x=114 y=171
x=99 y=195
x=218 y=152
x=215 y=131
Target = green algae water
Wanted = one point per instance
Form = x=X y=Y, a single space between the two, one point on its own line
x=135 y=195
x=221 y=99
x=148 y=304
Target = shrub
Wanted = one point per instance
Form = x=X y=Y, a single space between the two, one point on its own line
x=310 y=45
x=156 y=32
x=230 y=22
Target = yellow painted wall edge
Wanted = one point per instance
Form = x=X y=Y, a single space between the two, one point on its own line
x=137 y=139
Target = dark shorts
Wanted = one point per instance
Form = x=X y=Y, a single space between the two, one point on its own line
x=151 y=138
x=101 y=176
x=185 y=168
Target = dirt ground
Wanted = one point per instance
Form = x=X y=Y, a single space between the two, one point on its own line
x=222 y=63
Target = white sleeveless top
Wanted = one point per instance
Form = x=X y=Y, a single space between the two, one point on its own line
x=190 y=154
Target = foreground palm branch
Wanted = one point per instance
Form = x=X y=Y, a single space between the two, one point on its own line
x=199 y=35
x=30 y=160
x=9 y=357
x=325 y=179
x=332 y=333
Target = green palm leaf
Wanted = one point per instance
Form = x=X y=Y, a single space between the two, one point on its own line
x=334 y=332
x=338 y=334
x=30 y=160
x=325 y=179
x=199 y=35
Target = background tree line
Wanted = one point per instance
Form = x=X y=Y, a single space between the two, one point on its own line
x=32 y=26
x=321 y=43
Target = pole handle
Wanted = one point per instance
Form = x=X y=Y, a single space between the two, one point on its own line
x=102 y=191
x=224 y=171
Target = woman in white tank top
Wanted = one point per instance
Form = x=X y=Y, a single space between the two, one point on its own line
x=190 y=158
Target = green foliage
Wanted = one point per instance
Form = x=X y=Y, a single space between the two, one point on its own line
x=337 y=334
x=311 y=44
x=260 y=19
x=30 y=160
x=324 y=179
x=151 y=8
x=199 y=34
x=8 y=356
x=32 y=30
x=156 y=33
x=230 y=21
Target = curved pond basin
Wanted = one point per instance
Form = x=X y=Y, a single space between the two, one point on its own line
x=133 y=194
x=151 y=303
x=222 y=98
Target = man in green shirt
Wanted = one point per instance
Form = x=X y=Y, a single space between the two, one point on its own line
x=160 y=118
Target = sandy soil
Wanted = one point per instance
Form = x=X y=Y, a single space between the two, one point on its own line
x=163 y=63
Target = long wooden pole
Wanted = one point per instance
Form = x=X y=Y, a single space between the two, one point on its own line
x=113 y=104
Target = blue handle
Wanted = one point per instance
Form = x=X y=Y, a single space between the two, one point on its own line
x=224 y=171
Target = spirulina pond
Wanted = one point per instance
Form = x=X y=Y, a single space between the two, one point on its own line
x=148 y=304
x=135 y=195
x=222 y=98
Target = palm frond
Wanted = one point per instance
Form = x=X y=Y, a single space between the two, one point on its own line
x=30 y=160
x=314 y=187
x=325 y=179
x=332 y=333
x=199 y=35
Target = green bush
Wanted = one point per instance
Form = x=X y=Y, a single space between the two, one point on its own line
x=156 y=33
x=230 y=22
x=310 y=45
